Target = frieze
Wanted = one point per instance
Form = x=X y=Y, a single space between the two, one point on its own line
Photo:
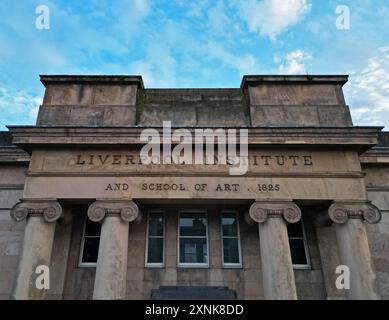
x=130 y=162
x=203 y=187
x=254 y=160
x=195 y=187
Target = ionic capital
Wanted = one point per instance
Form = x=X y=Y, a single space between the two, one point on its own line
x=50 y=209
x=340 y=212
x=260 y=211
x=126 y=209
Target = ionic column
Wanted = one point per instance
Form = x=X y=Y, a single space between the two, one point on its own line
x=38 y=240
x=354 y=246
x=110 y=281
x=277 y=268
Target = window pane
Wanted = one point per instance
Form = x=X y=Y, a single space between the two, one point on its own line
x=230 y=227
x=193 y=225
x=92 y=228
x=91 y=250
x=231 y=250
x=155 y=250
x=193 y=250
x=156 y=225
x=297 y=251
x=295 y=230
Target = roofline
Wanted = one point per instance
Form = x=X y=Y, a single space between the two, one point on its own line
x=64 y=127
x=312 y=79
x=99 y=79
x=246 y=80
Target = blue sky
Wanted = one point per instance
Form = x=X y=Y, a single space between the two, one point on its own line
x=203 y=43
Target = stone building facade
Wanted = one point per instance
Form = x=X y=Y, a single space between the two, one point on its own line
x=75 y=196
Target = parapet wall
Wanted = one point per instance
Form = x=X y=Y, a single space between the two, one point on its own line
x=261 y=101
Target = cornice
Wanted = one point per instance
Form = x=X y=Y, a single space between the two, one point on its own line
x=13 y=154
x=358 y=138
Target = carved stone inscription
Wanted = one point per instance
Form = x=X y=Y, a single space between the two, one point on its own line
x=203 y=187
x=195 y=187
x=254 y=160
x=259 y=161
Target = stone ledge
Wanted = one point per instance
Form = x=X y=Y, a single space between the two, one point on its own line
x=357 y=138
x=106 y=79
x=13 y=154
x=311 y=79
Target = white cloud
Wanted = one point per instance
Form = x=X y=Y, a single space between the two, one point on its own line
x=130 y=14
x=159 y=66
x=368 y=91
x=144 y=68
x=94 y=37
x=194 y=9
x=217 y=17
x=245 y=64
x=272 y=17
x=84 y=36
x=18 y=107
x=374 y=80
x=292 y=63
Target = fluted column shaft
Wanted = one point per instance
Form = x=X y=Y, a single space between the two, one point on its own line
x=111 y=271
x=37 y=246
x=353 y=246
x=277 y=267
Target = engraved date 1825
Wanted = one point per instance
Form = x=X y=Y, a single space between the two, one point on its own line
x=266 y=187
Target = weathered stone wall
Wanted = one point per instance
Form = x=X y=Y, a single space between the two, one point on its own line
x=121 y=100
x=11 y=232
x=247 y=281
x=377 y=181
x=298 y=104
x=89 y=101
x=191 y=107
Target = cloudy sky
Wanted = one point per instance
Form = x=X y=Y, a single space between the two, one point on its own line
x=202 y=43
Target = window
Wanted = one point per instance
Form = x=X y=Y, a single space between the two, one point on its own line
x=230 y=240
x=193 y=239
x=90 y=243
x=298 y=245
x=155 y=240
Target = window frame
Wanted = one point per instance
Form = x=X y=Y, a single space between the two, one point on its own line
x=155 y=264
x=191 y=264
x=86 y=264
x=308 y=265
x=230 y=265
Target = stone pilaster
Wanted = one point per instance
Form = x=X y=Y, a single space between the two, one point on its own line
x=38 y=240
x=277 y=268
x=353 y=245
x=110 y=281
